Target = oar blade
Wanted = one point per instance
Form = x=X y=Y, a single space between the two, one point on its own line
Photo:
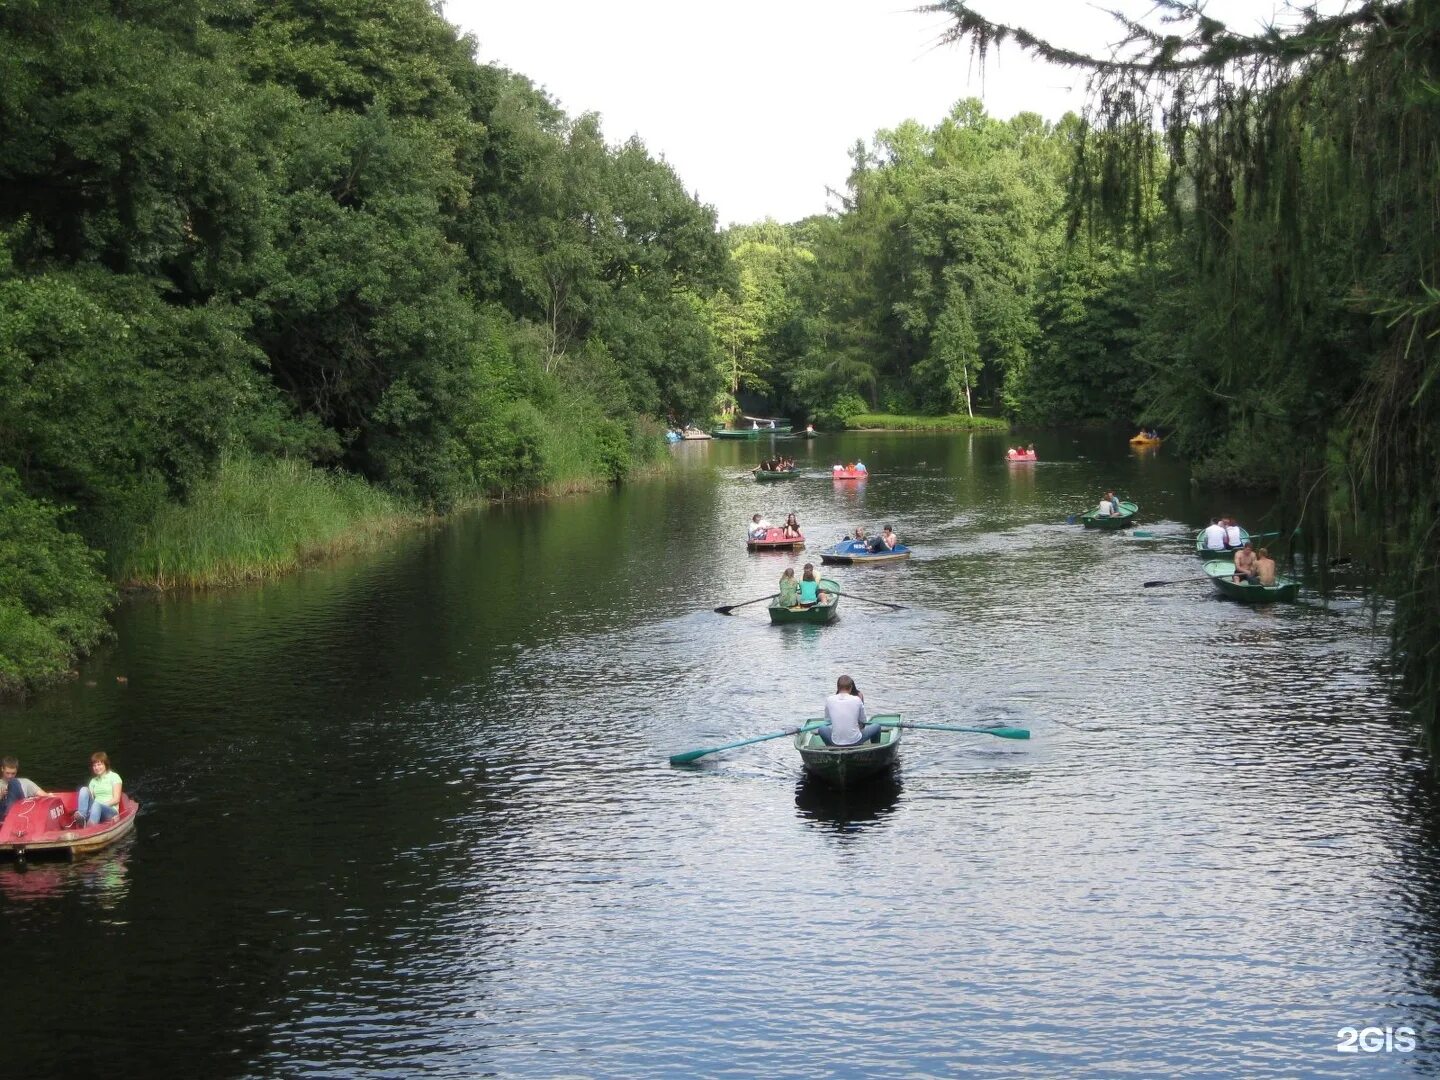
x=724 y=609
x=689 y=756
x=1009 y=732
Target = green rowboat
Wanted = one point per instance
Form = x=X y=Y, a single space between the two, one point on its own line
x=1096 y=520
x=776 y=474
x=1222 y=573
x=818 y=615
x=841 y=765
x=1210 y=553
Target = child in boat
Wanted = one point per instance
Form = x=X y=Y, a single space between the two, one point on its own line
x=99 y=800
x=789 y=588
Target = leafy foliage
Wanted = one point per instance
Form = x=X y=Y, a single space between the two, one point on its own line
x=52 y=594
x=318 y=232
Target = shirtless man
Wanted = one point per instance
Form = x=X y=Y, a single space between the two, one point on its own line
x=1265 y=567
x=1245 y=564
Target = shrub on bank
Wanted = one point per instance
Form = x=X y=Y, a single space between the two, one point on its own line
x=954 y=422
x=53 y=597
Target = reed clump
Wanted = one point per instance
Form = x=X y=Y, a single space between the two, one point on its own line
x=254 y=520
x=953 y=422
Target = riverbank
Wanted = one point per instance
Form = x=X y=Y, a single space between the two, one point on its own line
x=260 y=520
x=898 y=422
x=255 y=520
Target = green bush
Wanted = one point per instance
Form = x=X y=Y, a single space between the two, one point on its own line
x=614 y=447
x=53 y=598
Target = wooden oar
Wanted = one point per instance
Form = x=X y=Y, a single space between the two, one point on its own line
x=1178 y=581
x=690 y=755
x=1002 y=732
x=866 y=599
x=726 y=609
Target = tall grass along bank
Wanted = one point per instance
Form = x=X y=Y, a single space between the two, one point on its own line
x=255 y=520
x=953 y=422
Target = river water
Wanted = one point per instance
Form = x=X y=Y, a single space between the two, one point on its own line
x=412 y=813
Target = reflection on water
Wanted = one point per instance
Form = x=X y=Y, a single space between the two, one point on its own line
x=851 y=809
x=411 y=814
x=100 y=878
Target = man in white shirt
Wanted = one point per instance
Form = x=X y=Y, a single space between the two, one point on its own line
x=845 y=717
x=1214 y=536
x=1233 y=536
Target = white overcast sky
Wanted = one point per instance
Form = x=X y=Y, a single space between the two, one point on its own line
x=756 y=103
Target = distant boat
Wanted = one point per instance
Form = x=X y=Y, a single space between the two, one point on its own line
x=1222 y=573
x=692 y=433
x=843 y=765
x=737 y=433
x=776 y=474
x=768 y=423
x=1145 y=440
x=857 y=552
x=1022 y=455
x=816 y=614
x=838 y=473
x=1096 y=520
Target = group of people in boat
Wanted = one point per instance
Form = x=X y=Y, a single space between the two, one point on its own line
x=803 y=592
x=850 y=467
x=96 y=802
x=1223 y=534
x=1109 y=506
x=778 y=464
x=759 y=527
x=886 y=541
x=1253 y=567
x=1023 y=451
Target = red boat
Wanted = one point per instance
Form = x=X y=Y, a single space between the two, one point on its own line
x=776 y=540
x=849 y=474
x=44 y=823
x=1011 y=455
